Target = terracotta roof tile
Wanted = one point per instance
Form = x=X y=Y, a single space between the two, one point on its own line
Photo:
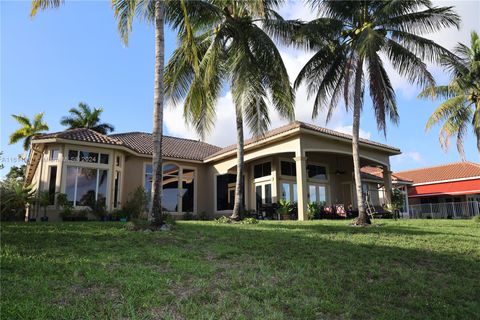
x=80 y=134
x=457 y=170
x=375 y=172
x=140 y=142
x=173 y=147
x=296 y=125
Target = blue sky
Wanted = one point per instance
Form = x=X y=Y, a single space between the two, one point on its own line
x=73 y=54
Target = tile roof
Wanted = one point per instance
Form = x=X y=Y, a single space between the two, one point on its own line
x=79 y=134
x=377 y=173
x=139 y=142
x=296 y=125
x=173 y=147
x=451 y=171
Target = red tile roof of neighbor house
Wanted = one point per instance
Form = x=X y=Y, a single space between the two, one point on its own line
x=181 y=148
x=377 y=173
x=450 y=171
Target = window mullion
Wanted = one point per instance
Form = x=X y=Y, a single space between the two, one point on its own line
x=75 y=193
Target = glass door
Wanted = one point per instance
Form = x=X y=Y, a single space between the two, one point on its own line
x=263 y=194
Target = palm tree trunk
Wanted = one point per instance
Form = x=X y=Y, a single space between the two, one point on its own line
x=156 y=209
x=357 y=107
x=239 y=186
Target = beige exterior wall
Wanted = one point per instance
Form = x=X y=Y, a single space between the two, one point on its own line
x=300 y=147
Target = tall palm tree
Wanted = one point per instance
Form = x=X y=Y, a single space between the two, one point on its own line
x=227 y=45
x=28 y=129
x=154 y=12
x=352 y=40
x=462 y=95
x=85 y=117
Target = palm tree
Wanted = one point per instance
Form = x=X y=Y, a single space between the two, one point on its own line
x=28 y=129
x=227 y=45
x=85 y=117
x=462 y=95
x=352 y=40
x=154 y=12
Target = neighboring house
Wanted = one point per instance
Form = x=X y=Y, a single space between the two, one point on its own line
x=299 y=162
x=447 y=190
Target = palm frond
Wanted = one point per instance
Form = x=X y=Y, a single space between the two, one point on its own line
x=44 y=4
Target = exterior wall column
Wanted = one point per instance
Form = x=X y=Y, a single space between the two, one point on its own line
x=387 y=182
x=302 y=186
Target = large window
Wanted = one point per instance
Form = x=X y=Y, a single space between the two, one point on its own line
x=86 y=186
x=289 y=191
x=262 y=170
x=174 y=187
x=52 y=183
x=225 y=191
x=317 y=193
x=288 y=168
x=317 y=172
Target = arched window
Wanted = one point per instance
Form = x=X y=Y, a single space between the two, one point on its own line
x=178 y=187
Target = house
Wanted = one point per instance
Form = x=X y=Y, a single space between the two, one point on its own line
x=449 y=190
x=300 y=162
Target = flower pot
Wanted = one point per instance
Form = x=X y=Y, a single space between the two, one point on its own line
x=285 y=216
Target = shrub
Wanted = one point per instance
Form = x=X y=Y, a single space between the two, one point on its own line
x=223 y=219
x=204 y=216
x=312 y=210
x=136 y=204
x=249 y=221
x=476 y=219
x=188 y=216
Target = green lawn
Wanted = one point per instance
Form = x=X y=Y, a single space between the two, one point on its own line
x=273 y=270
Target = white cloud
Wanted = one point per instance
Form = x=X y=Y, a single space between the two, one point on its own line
x=409 y=158
x=348 y=130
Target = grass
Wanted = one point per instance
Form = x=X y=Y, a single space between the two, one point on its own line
x=417 y=269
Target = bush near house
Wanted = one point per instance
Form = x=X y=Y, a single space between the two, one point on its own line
x=406 y=269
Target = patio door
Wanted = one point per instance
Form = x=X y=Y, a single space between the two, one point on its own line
x=263 y=193
x=317 y=193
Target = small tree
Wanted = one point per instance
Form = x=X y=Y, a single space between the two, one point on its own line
x=43 y=200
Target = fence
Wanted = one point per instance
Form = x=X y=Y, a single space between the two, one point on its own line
x=454 y=210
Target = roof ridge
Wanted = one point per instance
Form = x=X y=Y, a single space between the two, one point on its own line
x=439 y=166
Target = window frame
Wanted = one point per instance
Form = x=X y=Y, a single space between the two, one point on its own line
x=181 y=167
x=261 y=163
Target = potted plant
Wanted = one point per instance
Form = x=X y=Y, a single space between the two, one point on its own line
x=312 y=210
x=284 y=209
x=43 y=200
x=65 y=205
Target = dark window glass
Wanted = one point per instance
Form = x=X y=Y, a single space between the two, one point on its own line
x=102 y=187
x=73 y=155
x=225 y=187
x=316 y=172
x=288 y=168
x=262 y=170
x=268 y=193
x=86 y=186
x=117 y=161
x=54 y=154
x=86 y=156
x=115 y=190
x=170 y=188
x=188 y=189
x=70 y=185
x=52 y=184
x=104 y=158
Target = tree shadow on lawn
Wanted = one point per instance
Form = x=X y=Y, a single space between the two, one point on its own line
x=359 y=280
x=267 y=270
x=379 y=227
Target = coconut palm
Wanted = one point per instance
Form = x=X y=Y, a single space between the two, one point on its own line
x=28 y=129
x=352 y=40
x=154 y=12
x=461 y=107
x=227 y=46
x=85 y=117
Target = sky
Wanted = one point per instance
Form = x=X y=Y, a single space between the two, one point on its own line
x=74 y=54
